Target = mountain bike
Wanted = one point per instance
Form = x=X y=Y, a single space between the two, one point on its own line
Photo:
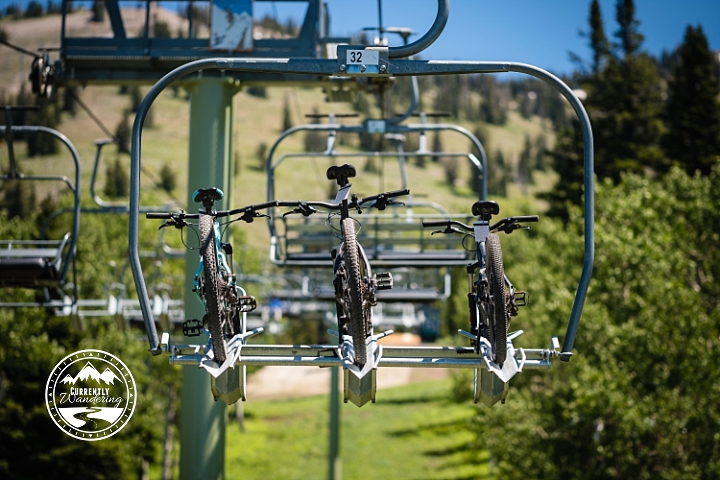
x=492 y=298
x=355 y=285
x=215 y=283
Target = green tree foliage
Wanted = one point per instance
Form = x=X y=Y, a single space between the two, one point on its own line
x=34 y=340
x=34 y=9
x=287 y=121
x=18 y=198
x=693 y=108
x=161 y=29
x=630 y=38
x=598 y=41
x=42 y=143
x=625 y=105
x=122 y=134
x=98 y=11
x=168 y=178
x=638 y=399
x=525 y=164
x=117 y=180
x=498 y=175
x=53 y=8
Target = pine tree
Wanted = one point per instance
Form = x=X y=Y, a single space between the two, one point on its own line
x=630 y=38
x=598 y=40
x=692 y=112
x=287 y=122
x=525 y=174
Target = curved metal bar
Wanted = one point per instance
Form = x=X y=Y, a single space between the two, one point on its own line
x=398 y=68
x=74 y=188
x=426 y=40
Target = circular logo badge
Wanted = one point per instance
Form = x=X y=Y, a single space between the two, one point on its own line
x=90 y=395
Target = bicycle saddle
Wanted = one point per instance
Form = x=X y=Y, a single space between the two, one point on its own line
x=485 y=207
x=210 y=195
x=341 y=173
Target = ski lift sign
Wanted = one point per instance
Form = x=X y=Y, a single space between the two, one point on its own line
x=231 y=25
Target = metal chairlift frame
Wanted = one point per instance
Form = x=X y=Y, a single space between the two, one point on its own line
x=490 y=386
x=423 y=258
x=44 y=250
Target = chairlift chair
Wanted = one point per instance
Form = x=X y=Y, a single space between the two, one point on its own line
x=40 y=264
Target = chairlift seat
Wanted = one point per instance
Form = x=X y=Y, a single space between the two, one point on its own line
x=391 y=240
x=31 y=264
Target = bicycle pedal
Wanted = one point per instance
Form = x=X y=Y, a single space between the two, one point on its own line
x=247 y=303
x=383 y=281
x=521 y=299
x=192 y=327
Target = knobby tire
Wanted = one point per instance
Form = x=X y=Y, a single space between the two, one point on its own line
x=212 y=287
x=498 y=306
x=357 y=313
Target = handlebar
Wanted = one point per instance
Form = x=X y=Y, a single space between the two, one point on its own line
x=507 y=225
x=381 y=199
x=219 y=213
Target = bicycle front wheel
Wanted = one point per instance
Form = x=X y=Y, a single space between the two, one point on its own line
x=355 y=291
x=211 y=273
x=498 y=306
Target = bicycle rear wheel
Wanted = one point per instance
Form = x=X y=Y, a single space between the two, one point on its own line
x=498 y=307
x=211 y=272
x=355 y=293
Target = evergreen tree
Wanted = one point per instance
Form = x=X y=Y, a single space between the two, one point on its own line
x=630 y=38
x=117 y=181
x=498 y=174
x=122 y=134
x=168 y=178
x=98 y=11
x=625 y=104
x=286 y=122
x=483 y=135
x=693 y=112
x=525 y=167
x=598 y=40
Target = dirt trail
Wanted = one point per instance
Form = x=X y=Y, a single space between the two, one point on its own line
x=292 y=382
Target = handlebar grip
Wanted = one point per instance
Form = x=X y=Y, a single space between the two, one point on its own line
x=397 y=193
x=157 y=216
x=527 y=218
x=435 y=223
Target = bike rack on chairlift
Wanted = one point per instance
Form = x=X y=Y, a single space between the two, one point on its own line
x=491 y=384
x=40 y=264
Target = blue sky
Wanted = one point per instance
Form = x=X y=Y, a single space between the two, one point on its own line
x=531 y=31
x=540 y=32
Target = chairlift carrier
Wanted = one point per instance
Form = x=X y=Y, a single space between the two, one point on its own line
x=395 y=239
x=40 y=264
x=491 y=384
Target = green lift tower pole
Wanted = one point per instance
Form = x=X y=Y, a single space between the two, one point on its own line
x=202 y=422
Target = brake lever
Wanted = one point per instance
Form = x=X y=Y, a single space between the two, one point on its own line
x=383 y=204
x=449 y=229
x=177 y=222
x=306 y=210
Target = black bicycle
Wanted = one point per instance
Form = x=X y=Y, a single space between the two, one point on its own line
x=492 y=298
x=215 y=283
x=355 y=285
